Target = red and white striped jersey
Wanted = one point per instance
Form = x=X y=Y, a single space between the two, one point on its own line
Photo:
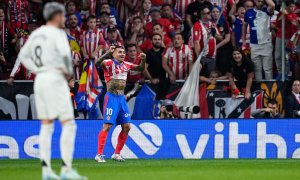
x=181 y=6
x=122 y=9
x=91 y=40
x=92 y=6
x=202 y=33
x=18 y=13
x=178 y=60
x=115 y=70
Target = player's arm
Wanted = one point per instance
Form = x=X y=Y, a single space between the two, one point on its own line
x=141 y=66
x=26 y=58
x=106 y=55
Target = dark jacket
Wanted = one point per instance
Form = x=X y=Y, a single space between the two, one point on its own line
x=292 y=107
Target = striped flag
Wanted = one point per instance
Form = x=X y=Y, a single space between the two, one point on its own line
x=222 y=105
x=90 y=87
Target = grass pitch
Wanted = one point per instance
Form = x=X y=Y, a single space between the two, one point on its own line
x=162 y=169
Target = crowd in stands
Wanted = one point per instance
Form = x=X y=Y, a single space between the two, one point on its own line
x=238 y=40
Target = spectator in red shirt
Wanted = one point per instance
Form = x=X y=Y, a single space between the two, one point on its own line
x=8 y=39
x=92 y=40
x=291 y=26
x=132 y=56
x=74 y=30
x=157 y=29
x=18 y=14
x=112 y=38
x=202 y=39
x=178 y=60
x=155 y=14
x=176 y=21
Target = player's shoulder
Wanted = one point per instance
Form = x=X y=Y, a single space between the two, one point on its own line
x=108 y=61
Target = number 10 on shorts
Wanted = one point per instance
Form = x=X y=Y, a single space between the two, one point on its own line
x=109 y=111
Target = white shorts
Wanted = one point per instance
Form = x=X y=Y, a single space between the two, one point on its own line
x=52 y=97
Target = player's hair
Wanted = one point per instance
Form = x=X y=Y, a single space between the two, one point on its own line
x=52 y=9
x=130 y=45
x=90 y=17
x=157 y=24
x=166 y=5
x=156 y=34
x=272 y=101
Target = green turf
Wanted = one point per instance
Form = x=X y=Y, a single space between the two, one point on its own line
x=163 y=169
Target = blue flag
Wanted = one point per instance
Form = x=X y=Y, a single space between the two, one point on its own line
x=144 y=104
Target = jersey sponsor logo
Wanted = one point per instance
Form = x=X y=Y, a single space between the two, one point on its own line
x=140 y=135
x=127 y=115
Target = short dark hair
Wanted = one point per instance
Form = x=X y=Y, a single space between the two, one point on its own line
x=72 y=14
x=105 y=3
x=272 y=101
x=72 y=1
x=166 y=5
x=156 y=34
x=137 y=17
x=178 y=34
x=289 y=2
x=130 y=45
x=157 y=24
x=90 y=17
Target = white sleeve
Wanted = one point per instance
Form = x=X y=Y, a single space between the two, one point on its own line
x=15 y=68
x=64 y=50
x=26 y=57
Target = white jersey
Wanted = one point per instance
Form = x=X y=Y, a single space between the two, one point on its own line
x=47 y=53
x=47 y=49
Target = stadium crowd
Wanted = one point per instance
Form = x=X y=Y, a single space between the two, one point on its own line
x=238 y=40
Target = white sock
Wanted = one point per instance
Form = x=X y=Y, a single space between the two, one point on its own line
x=45 y=139
x=67 y=142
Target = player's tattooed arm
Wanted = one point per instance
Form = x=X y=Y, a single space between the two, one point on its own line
x=106 y=55
x=141 y=66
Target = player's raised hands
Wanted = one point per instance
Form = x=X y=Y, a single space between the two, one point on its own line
x=142 y=56
x=112 y=49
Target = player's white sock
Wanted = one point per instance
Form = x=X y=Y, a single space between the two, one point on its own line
x=67 y=142
x=45 y=139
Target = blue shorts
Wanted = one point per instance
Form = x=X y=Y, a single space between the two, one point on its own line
x=115 y=109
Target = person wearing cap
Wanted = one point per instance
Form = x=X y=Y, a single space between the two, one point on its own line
x=47 y=54
x=166 y=110
x=113 y=37
x=155 y=14
x=105 y=23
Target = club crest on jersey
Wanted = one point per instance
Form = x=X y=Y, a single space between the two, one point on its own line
x=108 y=118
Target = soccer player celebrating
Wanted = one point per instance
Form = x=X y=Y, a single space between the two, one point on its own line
x=115 y=108
x=47 y=54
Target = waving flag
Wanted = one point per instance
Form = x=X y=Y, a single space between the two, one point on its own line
x=90 y=87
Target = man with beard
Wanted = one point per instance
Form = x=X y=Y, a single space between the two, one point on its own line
x=154 y=70
x=74 y=30
x=176 y=21
x=105 y=24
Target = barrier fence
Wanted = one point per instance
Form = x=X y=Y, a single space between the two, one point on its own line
x=180 y=139
x=17 y=101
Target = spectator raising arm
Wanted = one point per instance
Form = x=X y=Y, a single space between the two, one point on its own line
x=271 y=6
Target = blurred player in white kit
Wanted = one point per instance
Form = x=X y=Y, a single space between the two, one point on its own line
x=47 y=53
